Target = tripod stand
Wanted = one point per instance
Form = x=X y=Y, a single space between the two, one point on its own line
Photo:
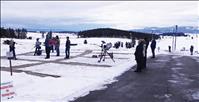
x=103 y=54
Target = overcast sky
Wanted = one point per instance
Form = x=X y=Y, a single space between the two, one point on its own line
x=81 y=15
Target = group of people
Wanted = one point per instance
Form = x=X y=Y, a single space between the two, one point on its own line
x=141 y=53
x=128 y=45
x=191 y=49
x=50 y=43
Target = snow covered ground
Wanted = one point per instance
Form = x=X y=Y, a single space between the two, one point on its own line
x=81 y=73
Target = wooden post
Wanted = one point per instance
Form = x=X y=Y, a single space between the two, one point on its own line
x=10 y=56
x=10 y=66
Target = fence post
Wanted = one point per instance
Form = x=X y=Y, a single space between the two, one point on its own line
x=10 y=66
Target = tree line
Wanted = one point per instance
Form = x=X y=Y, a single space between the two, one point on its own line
x=115 y=33
x=13 y=33
x=173 y=34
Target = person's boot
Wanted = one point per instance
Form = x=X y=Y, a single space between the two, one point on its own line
x=137 y=70
x=47 y=57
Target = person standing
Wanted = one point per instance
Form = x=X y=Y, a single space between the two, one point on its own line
x=47 y=46
x=139 y=56
x=57 y=45
x=67 y=50
x=52 y=44
x=42 y=34
x=133 y=42
x=191 y=49
x=169 y=48
x=153 y=46
x=37 y=46
x=145 y=50
x=12 y=48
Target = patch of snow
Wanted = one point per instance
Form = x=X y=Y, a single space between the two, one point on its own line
x=196 y=95
x=179 y=64
x=173 y=81
x=6 y=63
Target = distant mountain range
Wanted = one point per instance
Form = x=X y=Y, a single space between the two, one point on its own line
x=156 y=30
x=160 y=30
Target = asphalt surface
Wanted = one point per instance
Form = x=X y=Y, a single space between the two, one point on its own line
x=168 y=78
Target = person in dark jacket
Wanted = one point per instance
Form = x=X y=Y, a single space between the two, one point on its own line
x=146 y=42
x=153 y=46
x=12 y=48
x=67 y=50
x=57 y=44
x=191 y=49
x=47 y=46
x=169 y=48
x=139 y=56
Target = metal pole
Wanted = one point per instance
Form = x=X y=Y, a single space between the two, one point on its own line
x=10 y=66
x=198 y=42
x=173 y=41
x=175 y=35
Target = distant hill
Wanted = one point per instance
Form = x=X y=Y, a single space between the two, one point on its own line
x=54 y=31
x=47 y=30
x=65 y=32
x=160 y=30
x=116 y=33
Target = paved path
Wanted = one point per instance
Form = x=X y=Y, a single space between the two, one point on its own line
x=168 y=78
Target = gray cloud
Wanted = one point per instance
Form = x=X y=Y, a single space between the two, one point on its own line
x=118 y=14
